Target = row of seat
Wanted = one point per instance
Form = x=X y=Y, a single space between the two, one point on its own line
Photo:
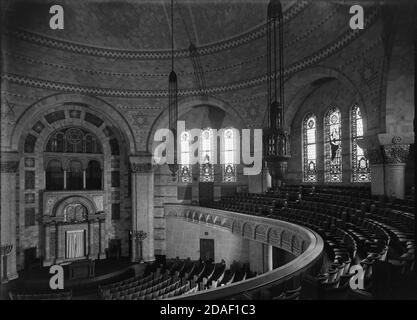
x=153 y=294
x=358 y=229
x=125 y=284
x=175 y=278
x=141 y=290
x=67 y=295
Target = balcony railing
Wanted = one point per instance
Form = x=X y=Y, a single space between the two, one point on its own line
x=304 y=243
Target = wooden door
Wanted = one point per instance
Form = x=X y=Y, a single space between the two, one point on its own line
x=207 y=249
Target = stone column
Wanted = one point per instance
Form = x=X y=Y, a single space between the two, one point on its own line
x=88 y=240
x=376 y=162
x=9 y=165
x=270 y=258
x=60 y=244
x=65 y=179
x=94 y=239
x=395 y=160
x=47 y=230
x=84 y=180
x=142 y=204
x=102 y=242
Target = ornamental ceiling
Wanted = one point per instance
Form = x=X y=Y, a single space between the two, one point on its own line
x=122 y=48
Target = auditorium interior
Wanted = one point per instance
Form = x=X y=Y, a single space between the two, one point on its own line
x=220 y=150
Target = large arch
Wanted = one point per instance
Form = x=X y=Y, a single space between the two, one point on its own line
x=53 y=102
x=184 y=106
x=301 y=82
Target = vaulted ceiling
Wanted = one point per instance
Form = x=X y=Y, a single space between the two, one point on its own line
x=121 y=48
x=141 y=25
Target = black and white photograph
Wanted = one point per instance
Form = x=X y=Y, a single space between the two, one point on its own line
x=225 y=151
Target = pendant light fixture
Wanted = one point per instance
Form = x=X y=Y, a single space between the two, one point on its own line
x=276 y=140
x=173 y=99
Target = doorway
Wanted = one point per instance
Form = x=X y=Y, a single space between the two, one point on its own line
x=207 y=249
x=75 y=244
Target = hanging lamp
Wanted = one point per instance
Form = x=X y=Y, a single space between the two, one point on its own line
x=173 y=99
x=276 y=140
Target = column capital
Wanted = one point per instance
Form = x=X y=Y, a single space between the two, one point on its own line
x=9 y=162
x=396 y=153
x=141 y=163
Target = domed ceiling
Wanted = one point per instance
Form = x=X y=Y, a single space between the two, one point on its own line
x=141 y=25
x=122 y=48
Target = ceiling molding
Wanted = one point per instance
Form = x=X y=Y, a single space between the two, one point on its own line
x=314 y=58
x=236 y=41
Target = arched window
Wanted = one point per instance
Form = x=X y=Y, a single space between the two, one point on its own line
x=333 y=146
x=309 y=149
x=185 y=167
x=73 y=140
x=75 y=175
x=206 y=156
x=54 y=175
x=88 y=143
x=229 y=155
x=93 y=175
x=360 y=164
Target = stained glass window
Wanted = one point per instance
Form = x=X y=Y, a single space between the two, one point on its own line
x=360 y=164
x=73 y=140
x=229 y=155
x=206 y=156
x=185 y=167
x=333 y=146
x=309 y=149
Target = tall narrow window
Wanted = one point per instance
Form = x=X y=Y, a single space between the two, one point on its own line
x=309 y=149
x=185 y=167
x=360 y=164
x=333 y=146
x=206 y=156
x=229 y=156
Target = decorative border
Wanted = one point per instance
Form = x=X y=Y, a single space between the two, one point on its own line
x=291 y=42
x=151 y=54
x=320 y=55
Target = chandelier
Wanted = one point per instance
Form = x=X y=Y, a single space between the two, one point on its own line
x=173 y=99
x=276 y=140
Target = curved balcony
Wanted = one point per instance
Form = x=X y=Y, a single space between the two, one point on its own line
x=302 y=242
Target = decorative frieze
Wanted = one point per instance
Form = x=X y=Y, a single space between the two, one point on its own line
x=38 y=127
x=396 y=153
x=29 y=162
x=141 y=167
x=310 y=60
x=269 y=231
x=151 y=54
x=29 y=198
x=55 y=201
